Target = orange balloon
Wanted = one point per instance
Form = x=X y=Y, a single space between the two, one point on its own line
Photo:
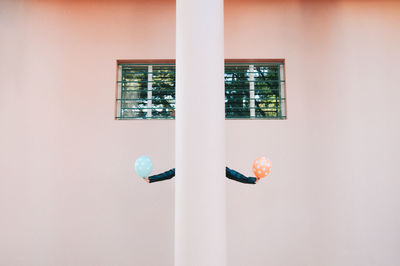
x=262 y=167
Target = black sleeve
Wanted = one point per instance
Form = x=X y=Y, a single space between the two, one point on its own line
x=163 y=176
x=234 y=175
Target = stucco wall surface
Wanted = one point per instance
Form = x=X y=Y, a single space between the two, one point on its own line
x=68 y=193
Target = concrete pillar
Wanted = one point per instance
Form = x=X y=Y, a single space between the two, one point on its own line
x=200 y=224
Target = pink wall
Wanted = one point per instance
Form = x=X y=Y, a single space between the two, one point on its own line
x=68 y=194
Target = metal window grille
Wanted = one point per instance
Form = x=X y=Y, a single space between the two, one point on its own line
x=252 y=91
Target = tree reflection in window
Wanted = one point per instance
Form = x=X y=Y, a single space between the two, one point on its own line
x=141 y=101
x=267 y=90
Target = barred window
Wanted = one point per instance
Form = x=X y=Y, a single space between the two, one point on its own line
x=252 y=91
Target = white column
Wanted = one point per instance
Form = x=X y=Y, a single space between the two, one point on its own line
x=200 y=226
x=149 y=91
x=252 y=94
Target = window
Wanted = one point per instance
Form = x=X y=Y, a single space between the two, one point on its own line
x=252 y=90
x=146 y=91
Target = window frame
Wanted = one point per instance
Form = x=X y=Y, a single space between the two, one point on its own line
x=149 y=63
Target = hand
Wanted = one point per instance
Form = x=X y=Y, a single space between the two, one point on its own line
x=146 y=179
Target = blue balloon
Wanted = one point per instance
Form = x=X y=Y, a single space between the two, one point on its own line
x=143 y=166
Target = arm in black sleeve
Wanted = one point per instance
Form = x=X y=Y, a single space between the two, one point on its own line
x=230 y=173
x=234 y=175
x=163 y=176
